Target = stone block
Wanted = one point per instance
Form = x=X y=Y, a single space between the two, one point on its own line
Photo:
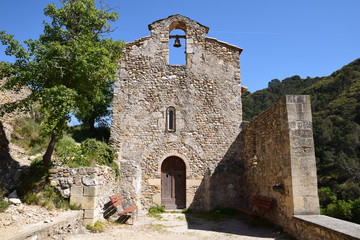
x=154 y=182
x=156 y=199
x=77 y=191
x=84 y=202
x=53 y=183
x=53 y=170
x=91 y=191
x=90 y=213
x=89 y=181
x=89 y=221
x=193 y=182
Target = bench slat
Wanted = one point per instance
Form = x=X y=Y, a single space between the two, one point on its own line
x=117 y=200
x=259 y=201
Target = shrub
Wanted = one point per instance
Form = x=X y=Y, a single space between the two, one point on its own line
x=97 y=151
x=97 y=227
x=155 y=211
x=356 y=211
x=340 y=209
x=349 y=191
x=81 y=133
x=66 y=150
x=89 y=153
x=326 y=196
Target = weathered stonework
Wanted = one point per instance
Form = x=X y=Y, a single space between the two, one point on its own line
x=89 y=187
x=205 y=93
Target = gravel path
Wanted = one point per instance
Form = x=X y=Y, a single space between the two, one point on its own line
x=180 y=226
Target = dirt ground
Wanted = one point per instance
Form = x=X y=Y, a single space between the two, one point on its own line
x=182 y=227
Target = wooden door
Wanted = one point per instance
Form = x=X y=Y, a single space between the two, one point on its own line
x=173 y=183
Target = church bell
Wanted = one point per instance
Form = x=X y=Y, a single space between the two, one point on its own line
x=177 y=43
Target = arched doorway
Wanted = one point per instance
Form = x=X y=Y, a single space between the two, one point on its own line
x=173 y=183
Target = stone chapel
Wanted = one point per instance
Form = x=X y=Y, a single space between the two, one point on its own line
x=179 y=134
x=173 y=123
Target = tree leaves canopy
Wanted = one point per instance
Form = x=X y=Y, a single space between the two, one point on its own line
x=69 y=68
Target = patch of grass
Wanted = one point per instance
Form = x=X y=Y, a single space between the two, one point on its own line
x=3 y=205
x=186 y=210
x=75 y=207
x=155 y=211
x=159 y=227
x=181 y=218
x=35 y=190
x=97 y=227
x=27 y=134
x=48 y=198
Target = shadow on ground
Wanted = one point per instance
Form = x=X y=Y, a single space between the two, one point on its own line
x=237 y=224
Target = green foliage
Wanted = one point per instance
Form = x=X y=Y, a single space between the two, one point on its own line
x=81 y=133
x=346 y=210
x=257 y=102
x=3 y=205
x=47 y=197
x=27 y=134
x=186 y=210
x=34 y=189
x=155 y=211
x=69 y=69
x=339 y=209
x=98 y=152
x=89 y=153
x=97 y=227
x=34 y=179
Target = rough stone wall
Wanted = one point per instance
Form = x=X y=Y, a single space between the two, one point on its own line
x=8 y=165
x=281 y=138
x=88 y=186
x=205 y=92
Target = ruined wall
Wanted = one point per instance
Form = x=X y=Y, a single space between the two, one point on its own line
x=205 y=92
x=89 y=187
x=284 y=168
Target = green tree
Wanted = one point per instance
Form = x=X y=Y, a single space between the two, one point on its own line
x=71 y=66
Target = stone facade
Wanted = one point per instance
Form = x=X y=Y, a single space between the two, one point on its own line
x=86 y=187
x=205 y=94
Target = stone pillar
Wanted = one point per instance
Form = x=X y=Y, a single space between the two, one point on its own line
x=302 y=152
x=87 y=198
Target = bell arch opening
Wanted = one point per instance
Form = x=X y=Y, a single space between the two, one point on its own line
x=177 y=47
x=173 y=183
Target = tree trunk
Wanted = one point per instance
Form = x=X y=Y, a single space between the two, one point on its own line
x=49 y=151
x=92 y=127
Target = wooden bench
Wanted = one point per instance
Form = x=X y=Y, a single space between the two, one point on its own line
x=128 y=212
x=260 y=202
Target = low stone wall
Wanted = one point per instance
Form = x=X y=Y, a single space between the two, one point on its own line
x=323 y=227
x=67 y=223
x=89 y=187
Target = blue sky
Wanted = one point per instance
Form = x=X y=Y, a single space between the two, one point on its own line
x=280 y=38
